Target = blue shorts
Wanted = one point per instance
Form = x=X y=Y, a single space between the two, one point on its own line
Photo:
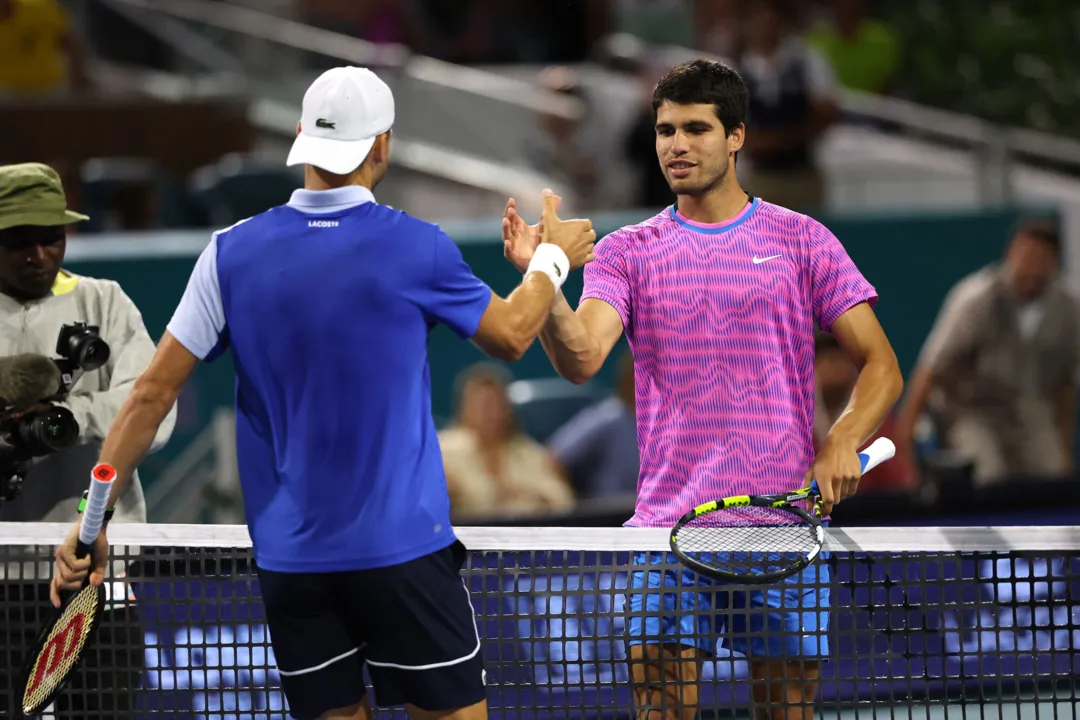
x=787 y=619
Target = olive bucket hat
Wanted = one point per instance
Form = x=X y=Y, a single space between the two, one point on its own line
x=32 y=194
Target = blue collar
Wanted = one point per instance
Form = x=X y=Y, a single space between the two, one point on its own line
x=330 y=200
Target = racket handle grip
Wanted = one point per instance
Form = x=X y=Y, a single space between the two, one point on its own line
x=97 y=499
x=876 y=453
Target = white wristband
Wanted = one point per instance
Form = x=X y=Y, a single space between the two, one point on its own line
x=552 y=261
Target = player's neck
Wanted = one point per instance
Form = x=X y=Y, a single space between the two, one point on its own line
x=716 y=206
x=318 y=179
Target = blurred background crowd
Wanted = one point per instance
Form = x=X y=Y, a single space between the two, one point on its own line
x=932 y=136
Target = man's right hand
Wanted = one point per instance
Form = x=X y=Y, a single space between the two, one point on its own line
x=575 y=237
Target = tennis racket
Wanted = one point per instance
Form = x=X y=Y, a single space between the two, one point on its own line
x=70 y=629
x=758 y=539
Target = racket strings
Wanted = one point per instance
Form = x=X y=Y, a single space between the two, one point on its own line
x=749 y=541
x=62 y=648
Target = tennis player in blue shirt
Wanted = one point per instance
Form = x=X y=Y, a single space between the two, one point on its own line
x=326 y=304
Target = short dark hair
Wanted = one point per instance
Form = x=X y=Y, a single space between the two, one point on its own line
x=1042 y=230
x=706 y=82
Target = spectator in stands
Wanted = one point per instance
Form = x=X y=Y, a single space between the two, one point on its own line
x=718 y=29
x=864 y=53
x=598 y=446
x=39 y=55
x=463 y=33
x=492 y=468
x=792 y=103
x=377 y=21
x=834 y=379
x=567 y=149
x=1000 y=365
x=37 y=297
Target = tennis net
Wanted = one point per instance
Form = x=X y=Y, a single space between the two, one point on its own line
x=923 y=622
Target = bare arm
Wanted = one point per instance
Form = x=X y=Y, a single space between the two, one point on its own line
x=146 y=407
x=880 y=382
x=578 y=343
x=508 y=327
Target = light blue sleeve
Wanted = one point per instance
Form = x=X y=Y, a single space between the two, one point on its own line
x=199 y=321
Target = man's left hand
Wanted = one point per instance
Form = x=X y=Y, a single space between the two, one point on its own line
x=838 y=471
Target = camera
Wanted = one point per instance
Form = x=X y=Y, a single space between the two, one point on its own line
x=43 y=431
x=81 y=346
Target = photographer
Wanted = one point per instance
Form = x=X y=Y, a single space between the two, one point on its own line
x=39 y=302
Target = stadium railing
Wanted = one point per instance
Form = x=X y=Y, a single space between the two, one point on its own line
x=946 y=622
x=996 y=147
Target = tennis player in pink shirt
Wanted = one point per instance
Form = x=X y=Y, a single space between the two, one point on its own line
x=718 y=296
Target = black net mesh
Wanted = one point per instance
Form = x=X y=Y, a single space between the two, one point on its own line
x=972 y=634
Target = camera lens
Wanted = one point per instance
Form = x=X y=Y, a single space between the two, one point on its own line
x=92 y=352
x=49 y=431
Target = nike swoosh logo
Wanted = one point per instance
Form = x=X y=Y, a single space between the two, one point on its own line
x=758 y=261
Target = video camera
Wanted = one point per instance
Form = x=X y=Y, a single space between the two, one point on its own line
x=25 y=435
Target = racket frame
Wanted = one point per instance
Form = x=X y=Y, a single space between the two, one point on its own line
x=42 y=638
x=784 y=502
x=92 y=523
x=873 y=455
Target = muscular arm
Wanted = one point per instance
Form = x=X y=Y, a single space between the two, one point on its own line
x=880 y=382
x=508 y=327
x=578 y=343
x=144 y=410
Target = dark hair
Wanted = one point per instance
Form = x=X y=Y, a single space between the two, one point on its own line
x=706 y=82
x=1042 y=230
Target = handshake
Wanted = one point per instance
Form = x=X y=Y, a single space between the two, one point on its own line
x=520 y=240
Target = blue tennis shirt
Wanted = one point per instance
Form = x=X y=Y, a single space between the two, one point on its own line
x=326 y=304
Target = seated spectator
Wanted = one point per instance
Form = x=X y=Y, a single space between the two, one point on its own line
x=1000 y=365
x=39 y=55
x=492 y=468
x=834 y=377
x=793 y=101
x=598 y=446
x=864 y=53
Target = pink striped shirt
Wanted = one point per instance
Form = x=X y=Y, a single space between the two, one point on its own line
x=720 y=320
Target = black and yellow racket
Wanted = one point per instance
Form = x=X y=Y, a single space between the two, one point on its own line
x=757 y=539
x=68 y=632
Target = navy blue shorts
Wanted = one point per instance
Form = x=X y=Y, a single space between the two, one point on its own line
x=412 y=625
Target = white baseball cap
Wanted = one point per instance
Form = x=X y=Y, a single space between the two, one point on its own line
x=344 y=110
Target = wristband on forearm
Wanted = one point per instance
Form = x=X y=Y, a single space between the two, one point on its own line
x=552 y=261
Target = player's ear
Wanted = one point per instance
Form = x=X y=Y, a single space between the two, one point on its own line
x=381 y=150
x=298 y=128
x=736 y=138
